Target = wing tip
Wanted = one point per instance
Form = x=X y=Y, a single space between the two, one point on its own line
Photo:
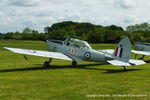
x=5 y=47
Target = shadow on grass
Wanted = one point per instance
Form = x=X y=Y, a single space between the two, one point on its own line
x=83 y=66
x=119 y=70
x=47 y=68
x=147 y=61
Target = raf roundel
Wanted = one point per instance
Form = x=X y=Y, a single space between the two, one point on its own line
x=87 y=55
x=30 y=51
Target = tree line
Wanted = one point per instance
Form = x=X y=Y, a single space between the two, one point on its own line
x=84 y=31
x=26 y=34
x=140 y=32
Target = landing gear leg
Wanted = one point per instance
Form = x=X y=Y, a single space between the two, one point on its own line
x=142 y=57
x=135 y=56
x=74 y=63
x=46 y=63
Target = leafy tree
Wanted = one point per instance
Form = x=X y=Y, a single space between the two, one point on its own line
x=27 y=30
x=2 y=36
x=61 y=25
x=17 y=35
x=9 y=35
x=114 y=27
x=47 y=30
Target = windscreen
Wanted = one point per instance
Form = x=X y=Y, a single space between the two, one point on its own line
x=79 y=43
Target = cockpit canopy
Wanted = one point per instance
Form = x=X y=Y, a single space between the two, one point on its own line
x=77 y=43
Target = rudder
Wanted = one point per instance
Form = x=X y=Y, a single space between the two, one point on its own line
x=123 y=50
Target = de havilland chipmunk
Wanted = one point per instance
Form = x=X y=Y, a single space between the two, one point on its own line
x=78 y=50
x=141 y=48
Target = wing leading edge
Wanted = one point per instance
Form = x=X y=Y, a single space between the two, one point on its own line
x=48 y=54
x=141 y=52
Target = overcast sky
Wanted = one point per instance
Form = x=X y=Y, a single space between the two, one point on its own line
x=15 y=15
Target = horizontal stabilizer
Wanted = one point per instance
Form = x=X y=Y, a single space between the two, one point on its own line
x=118 y=63
x=141 y=52
x=136 y=62
x=131 y=62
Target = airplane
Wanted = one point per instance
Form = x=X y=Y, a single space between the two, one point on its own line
x=78 y=50
x=141 y=48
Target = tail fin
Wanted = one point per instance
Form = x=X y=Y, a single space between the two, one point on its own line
x=123 y=50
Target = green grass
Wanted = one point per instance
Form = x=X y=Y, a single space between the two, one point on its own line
x=28 y=80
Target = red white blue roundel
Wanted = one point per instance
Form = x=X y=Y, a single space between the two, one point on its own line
x=30 y=51
x=87 y=55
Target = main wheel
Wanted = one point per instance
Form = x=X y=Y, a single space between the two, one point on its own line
x=74 y=63
x=124 y=69
x=46 y=64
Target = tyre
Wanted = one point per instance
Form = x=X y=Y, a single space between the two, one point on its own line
x=46 y=64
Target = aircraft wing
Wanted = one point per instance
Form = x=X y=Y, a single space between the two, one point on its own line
x=141 y=52
x=48 y=54
x=131 y=62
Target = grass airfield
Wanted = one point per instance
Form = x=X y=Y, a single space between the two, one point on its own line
x=29 y=80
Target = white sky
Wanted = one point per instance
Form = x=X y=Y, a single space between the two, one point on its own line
x=15 y=15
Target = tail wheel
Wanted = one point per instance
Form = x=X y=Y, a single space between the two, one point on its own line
x=142 y=57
